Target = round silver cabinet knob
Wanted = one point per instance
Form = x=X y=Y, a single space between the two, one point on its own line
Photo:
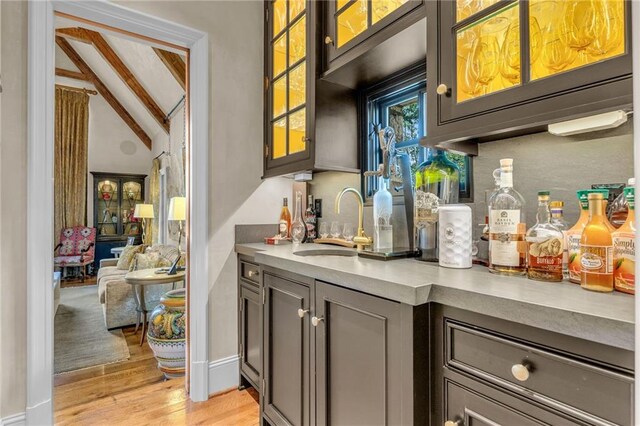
x=453 y=423
x=520 y=372
x=442 y=89
x=315 y=321
x=328 y=40
x=301 y=312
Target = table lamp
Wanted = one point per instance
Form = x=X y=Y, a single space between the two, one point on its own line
x=178 y=211
x=144 y=211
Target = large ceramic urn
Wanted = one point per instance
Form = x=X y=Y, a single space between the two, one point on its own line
x=167 y=333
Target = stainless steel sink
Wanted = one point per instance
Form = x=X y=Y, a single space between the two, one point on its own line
x=326 y=252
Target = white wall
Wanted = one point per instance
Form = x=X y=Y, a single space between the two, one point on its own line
x=237 y=193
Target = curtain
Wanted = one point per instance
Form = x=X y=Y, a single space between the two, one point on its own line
x=154 y=193
x=71 y=157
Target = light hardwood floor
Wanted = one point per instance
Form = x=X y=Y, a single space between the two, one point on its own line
x=134 y=392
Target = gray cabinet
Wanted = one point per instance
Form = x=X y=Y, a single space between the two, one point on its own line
x=249 y=323
x=286 y=352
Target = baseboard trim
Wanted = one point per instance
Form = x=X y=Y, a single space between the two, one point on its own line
x=19 y=419
x=224 y=374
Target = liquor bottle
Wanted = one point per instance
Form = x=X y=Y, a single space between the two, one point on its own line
x=298 y=227
x=618 y=211
x=487 y=196
x=382 y=211
x=557 y=220
x=624 y=248
x=574 y=234
x=507 y=226
x=544 y=245
x=285 y=219
x=596 y=249
x=437 y=181
x=311 y=220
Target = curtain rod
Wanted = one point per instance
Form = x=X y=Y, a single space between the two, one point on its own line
x=78 y=89
x=168 y=116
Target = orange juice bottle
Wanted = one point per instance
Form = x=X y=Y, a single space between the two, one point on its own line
x=624 y=249
x=573 y=235
x=596 y=249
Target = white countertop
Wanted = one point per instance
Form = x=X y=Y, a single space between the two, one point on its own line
x=561 y=307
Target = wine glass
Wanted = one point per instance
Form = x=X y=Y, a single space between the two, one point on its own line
x=578 y=26
x=510 y=54
x=483 y=61
x=465 y=78
x=324 y=230
x=535 y=40
x=608 y=31
x=348 y=231
x=335 y=230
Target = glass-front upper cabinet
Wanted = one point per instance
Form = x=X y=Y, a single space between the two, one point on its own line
x=349 y=22
x=490 y=55
x=289 y=79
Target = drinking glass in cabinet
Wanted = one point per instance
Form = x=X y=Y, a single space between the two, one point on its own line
x=351 y=22
x=574 y=34
x=488 y=54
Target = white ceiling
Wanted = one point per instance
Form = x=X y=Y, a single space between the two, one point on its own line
x=143 y=63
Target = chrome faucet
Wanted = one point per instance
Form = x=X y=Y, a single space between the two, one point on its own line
x=361 y=239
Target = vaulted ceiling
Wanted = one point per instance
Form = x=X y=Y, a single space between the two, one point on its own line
x=140 y=82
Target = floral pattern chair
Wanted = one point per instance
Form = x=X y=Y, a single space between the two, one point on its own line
x=76 y=249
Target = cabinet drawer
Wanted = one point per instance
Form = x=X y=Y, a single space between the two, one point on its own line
x=558 y=381
x=250 y=271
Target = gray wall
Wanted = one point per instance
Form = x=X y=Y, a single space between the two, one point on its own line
x=542 y=161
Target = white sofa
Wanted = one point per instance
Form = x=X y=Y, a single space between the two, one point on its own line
x=116 y=296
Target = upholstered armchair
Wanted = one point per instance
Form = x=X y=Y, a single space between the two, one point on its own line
x=76 y=249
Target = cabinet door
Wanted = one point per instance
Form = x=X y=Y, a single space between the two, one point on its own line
x=286 y=352
x=468 y=407
x=499 y=55
x=290 y=82
x=250 y=331
x=350 y=22
x=359 y=369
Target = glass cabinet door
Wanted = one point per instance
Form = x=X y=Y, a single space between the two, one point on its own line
x=497 y=53
x=131 y=195
x=107 y=206
x=288 y=79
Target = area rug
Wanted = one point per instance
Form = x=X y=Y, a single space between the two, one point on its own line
x=81 y=339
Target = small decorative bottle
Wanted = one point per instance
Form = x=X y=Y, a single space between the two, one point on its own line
x=284 y=225
x=382 y=211
x=507 y=226
x=596 y=249
x=544 y=245
x=311 y=220
x=557 y=220
x=298 y=227
x=624 y=248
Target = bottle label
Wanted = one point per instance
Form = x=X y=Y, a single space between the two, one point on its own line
x=596 y=259
x=505 y=238
x=426 y=208
x=624 y=261
x=545 y=254
x=573 y=250
x=282 y=227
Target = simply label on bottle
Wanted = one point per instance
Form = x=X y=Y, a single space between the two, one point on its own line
x=503 y=225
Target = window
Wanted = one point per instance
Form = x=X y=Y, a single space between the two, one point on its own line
x=401 y=102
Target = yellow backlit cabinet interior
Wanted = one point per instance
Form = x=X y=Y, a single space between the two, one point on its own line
x=288 y=77
x=353 y=17
x=562 y=35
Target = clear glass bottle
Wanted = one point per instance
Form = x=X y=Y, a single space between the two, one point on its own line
x=298 y=227
x=596 y=249
x=488 y=194
x=284 y=226
x=574 y=234
x=382 y=211
x=618 y=211
x=557 y=220
x=507 y=226
x=624 y=248
x=437 y=181
x=544 y=245
x=311 y=220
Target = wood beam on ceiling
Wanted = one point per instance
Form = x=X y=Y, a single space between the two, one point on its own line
x=119 y=67
x=103 y=90
x=76 y=75
x=174 y=64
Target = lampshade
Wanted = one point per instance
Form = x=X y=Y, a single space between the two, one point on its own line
x=143 y=211
x=178 y=208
